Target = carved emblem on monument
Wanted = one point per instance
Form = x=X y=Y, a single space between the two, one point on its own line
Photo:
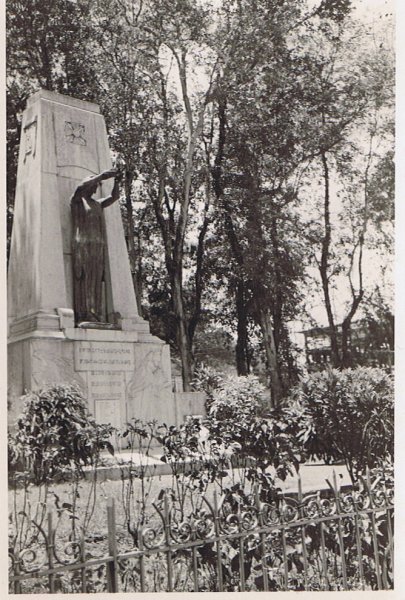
x=30 y=133
x=75 y=133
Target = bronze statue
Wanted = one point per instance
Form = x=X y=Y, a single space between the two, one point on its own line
x=89 y=245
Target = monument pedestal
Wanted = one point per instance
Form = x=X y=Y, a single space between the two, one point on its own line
x=124 y=372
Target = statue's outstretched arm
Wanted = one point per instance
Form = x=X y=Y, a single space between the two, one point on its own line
x=114 y=194
x=93 y=180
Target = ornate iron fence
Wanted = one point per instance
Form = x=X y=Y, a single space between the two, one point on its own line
x=339 y=541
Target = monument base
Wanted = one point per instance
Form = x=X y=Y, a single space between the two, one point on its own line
x=123 y=374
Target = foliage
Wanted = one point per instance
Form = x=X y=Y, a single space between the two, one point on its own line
x=207 y=379
x=55 y=432
x=345 y=415
x=237 y=433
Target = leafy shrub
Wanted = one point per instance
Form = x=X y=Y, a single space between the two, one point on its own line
x=345 y=415
x=54 y=432
x=239 y=415
x=238 y=431
x=207 y=379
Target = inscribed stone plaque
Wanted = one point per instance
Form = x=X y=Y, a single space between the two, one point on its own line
x=96 y=356
x=106 y=385
x=108 y=411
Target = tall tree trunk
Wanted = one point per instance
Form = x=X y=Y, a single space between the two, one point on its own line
x=268 y=304
x=271 y=355
x=242 y=341
x=183 y=341
x=357 y=296
x=242 y=345
x=133 y=254
x=199 y=268
x=324 y=264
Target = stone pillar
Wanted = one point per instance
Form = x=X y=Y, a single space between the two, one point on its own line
x=123 y=373
x=63 y=141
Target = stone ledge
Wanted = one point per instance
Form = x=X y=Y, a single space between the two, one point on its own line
x=36 y=321
x=37 y=334
x=62 y=99
x=100 y=335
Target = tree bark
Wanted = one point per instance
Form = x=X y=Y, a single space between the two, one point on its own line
x=134 y=258
x=324 y=264
x=183 y=340
x=242 y=341
x=271 y=355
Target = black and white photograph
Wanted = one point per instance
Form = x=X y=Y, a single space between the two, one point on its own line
x=200 y=250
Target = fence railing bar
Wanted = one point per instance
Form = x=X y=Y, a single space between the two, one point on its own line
x=112 y=575
x=303 y=536
x=141 y=560
x=359 y=551
x=340 y=529
x=241 y=556
x=390 y=536
x=374 y=532
x=49 y=550
x=218 y=543
x=284 y=544
x=375 y=549
x=323 y=554
x=16 y=580
x=195 y=567
x=169 y=549
x=83 y=571
x=262 y=542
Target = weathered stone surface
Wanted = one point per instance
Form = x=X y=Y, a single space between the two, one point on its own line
x=189 y=404
x=109 y=412
x=149 y=386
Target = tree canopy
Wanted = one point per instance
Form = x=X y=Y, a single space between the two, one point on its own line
x=256 y=139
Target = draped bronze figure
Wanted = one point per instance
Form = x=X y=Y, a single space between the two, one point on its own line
x=89 y=245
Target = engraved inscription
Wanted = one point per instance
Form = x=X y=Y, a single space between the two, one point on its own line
x=75 y=133
x=30 y=134
x=95 y=356
x=106 y=385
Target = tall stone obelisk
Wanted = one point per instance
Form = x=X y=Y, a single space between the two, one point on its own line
x=124 y=373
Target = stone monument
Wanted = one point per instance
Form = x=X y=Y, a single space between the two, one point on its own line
x=107 y=350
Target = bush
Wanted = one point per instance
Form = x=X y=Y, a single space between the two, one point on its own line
x=56 y=432
x=346 y=415
x=238 y=431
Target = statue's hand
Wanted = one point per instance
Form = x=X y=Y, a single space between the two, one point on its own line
x=110 y=173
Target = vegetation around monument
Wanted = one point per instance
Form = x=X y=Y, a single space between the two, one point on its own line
x=238 y=455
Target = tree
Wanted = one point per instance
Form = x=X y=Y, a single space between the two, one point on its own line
x=352 y=120
x=259 y=151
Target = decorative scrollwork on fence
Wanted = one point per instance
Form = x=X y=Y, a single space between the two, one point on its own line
x=31 y=560
x=70 y=553
x=204 y=526
x=249 y=519
x=153 y=537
